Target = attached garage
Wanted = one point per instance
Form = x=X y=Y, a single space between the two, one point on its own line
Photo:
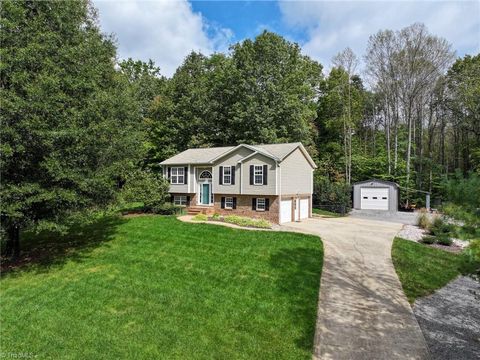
x=375 y=195
x=294 y=209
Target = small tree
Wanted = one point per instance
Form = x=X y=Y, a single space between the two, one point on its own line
x=147 y=187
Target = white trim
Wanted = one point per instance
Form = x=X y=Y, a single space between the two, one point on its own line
x=264 y=204
x=280 y=194
x=304 y=152
x=248 y=156
x=228 y=207
x=181 y=199
x=246 y=146
x=177 y=175
x=229 y=167
x=255 y=175
x=241 y=178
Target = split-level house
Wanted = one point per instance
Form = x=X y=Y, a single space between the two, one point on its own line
x=273 y=181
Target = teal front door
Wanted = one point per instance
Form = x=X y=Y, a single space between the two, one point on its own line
x=205 y=194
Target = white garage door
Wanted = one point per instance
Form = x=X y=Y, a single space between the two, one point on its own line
x=374 y=198
x=286 y=211
x=303 y=208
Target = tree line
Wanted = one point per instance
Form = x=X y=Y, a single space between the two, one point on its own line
x=77 y=123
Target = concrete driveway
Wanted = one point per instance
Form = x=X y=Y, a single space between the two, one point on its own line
x=362 y=313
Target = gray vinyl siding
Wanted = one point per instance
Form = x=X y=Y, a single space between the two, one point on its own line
x=268 y=189
x=296 y=174
x=178 y=188
x=230 y=160
x=392 y=194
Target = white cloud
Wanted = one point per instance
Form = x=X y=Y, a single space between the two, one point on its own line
x=163 y=30
x=331 y=26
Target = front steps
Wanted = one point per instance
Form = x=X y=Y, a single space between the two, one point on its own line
x=194 y=210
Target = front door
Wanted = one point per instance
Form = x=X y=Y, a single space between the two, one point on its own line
x=205 y=194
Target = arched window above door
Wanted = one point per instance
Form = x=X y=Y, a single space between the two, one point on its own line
x=205 y=174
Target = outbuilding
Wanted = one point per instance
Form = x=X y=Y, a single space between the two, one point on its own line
x=375 y=195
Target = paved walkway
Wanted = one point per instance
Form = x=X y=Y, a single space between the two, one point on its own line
x=362 y=313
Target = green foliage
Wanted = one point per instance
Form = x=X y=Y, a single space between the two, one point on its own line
x=444 y=239
x=429 y=239
x=200 y=217
x=167 y=209
x=335 y=195
x=262 y=92
x=147 y=187
x=69 y=123
x=216 y=216
x=473 y=250
x=247 y=222
x=439 y=227
x=422 y=269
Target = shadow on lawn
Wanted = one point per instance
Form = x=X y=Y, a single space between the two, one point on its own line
x=48 y=249
x=299 y=281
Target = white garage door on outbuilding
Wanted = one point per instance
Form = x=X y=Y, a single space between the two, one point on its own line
x=374 y=198
x=376 y=195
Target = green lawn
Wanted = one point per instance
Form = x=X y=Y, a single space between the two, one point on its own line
x=422 y=269
x=153 y=287
x=326 y=213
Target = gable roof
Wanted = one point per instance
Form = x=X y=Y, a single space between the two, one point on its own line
x=277 y=152
x=385 y=182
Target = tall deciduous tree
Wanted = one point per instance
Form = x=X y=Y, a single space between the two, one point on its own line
x=68 y=120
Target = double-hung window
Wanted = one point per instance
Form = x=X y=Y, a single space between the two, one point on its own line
x=227 y=175
x=229 y=203
x=177 y=175
x=260 y=204
x=180 y=200
x=258 y=175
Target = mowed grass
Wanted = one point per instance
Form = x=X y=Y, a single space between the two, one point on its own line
x=325 y=213
x=152 y=287
x=422 y=269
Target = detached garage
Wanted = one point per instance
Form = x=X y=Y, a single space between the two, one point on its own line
x=375 y=195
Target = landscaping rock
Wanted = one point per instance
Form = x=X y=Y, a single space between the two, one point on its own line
x=450 y=320
x=412 y=232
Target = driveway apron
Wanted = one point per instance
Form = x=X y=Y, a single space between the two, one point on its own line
x=362 y=311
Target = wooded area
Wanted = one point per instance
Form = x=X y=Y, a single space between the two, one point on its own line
x=76 y=123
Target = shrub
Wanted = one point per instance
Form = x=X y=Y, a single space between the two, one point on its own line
x=423 y=220
x=439 y=227
x=334 y=195
x=444 y=240
x=200 y=217
x=167 y=209
x=216 y=216
x=145 y=187
x=248 y=222
x=473 y=250
x=428 y=239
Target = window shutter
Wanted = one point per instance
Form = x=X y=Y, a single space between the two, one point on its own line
x=265 y=174
x=188 y=200
x=232 y=178
x=185 y=175
x=251 y=174
x=171 y=197
x=168 y=173
x=254 y=203
x=234 y=203
x=220 y=179
x=222 y=204
x=267 y=204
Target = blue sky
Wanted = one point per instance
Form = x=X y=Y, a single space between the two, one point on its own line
x=167 y=30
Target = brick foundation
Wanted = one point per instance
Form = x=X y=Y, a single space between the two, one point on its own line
x=244 y=207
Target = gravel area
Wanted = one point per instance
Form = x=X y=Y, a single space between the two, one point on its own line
x=411 y=232
x=450 y=320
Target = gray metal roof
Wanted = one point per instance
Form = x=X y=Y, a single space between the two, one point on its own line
x=208 y=155
x=378 y=181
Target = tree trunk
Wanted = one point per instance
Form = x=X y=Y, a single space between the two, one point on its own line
x=12 y=246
